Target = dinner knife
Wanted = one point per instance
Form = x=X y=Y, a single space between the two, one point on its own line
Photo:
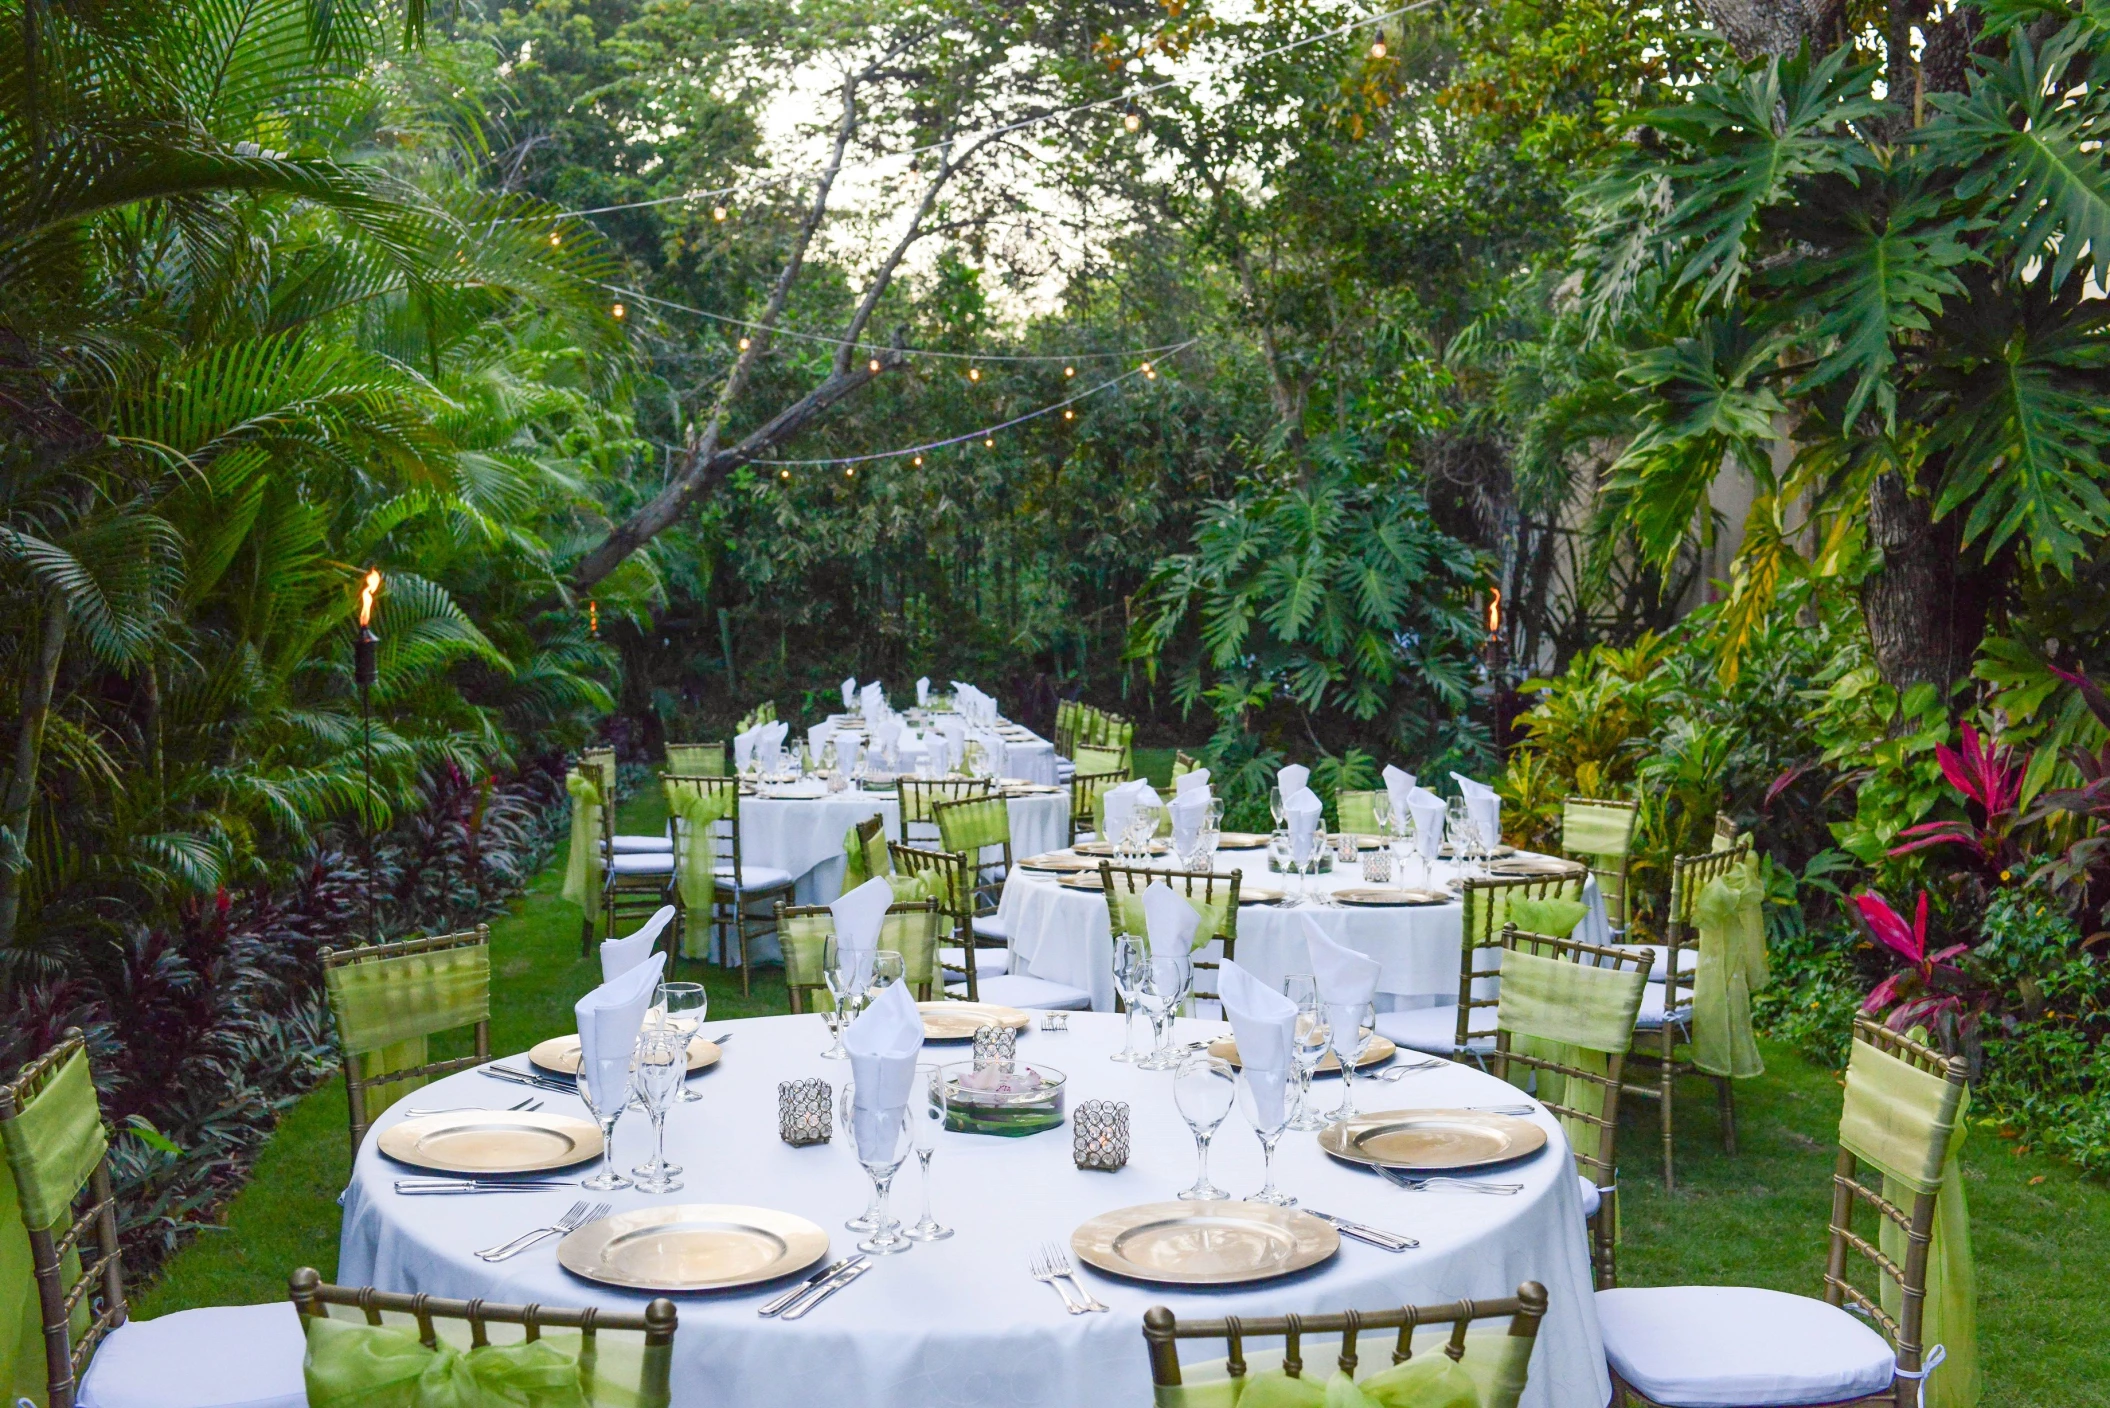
x=412 y=1186
x=826 y=1290
x=777 y=1304
x=507 y=1073
x=1363 y=1232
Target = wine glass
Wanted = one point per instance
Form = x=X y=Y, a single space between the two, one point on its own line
x=1381 y=814
x=1201 y=1088
x=605 y=1101
x=926 y=1109
x=881 y=1139
x=1308 y=1047
x=840 y=971
x=683 y=1007
x=1352 y=1029
x=1322 y=897
x=1458 y=826
x=1263 y=1098
x=662 y=1061
x=1275 y=807
x=1168 y=975
x=1130 y=954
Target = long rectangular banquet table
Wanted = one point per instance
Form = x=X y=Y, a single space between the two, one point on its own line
x=1064 y=934
x=960 y=1322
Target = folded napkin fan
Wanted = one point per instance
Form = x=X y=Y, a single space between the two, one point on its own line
x=1265 y=1024
x=1429 y=811
x=1187 y=781
x=1120 y=806
x=619 y=956
x=923 y=691
x=1347 y=980
x=1188 y=811
x=1483 y=806
x=1399 y=790
x=860 y=915
x=849 y=692
x=1301 y=811
x=744 y=747
x=883 y=1044
x=1169 y=921
x=610 y=1018
x=1292 y=780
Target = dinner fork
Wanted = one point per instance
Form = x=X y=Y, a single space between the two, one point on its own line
x=1400 y=1071
x=1041 y=1270
x=1058 y=1262
x=530 y=1104
x=577 y=1216
x=1458 y=1185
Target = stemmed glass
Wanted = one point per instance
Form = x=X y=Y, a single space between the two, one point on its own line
x=662 y=1062
x=1307 y=1047
x=846 y=985
x=1350 y=1039
x=926 y=1109
x=1275 y=807
x=887 y=1138
x=1202 y=1089
x=1464 y=835
x=1263 y=1100
x=1322 y=898
x=683 y=1008
x=1167 y=977
x=1130 y=956
x=606 y=1106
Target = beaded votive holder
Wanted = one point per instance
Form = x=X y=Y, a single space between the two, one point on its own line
x=1099 y=1134
x=1377 y=866
x=994 y=1044
x=805 y=1111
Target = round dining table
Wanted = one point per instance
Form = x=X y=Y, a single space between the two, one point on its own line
x=961 y=1321
x=1065 y=935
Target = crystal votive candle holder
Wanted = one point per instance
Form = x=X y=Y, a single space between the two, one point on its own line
x=994 y=1044
x=805 y=1111
x=1099 y=1134
x=1377 y=866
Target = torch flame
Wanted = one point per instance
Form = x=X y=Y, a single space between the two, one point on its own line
x=1494 y=611
x=367 y=594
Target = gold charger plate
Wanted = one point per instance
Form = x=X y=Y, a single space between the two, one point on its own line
x=1029 y=789
x=1380 y=1049
x=692 y=1247
x=958 y=1021
x=1499 y=851
x=1426 y=1139
x=561 y=1054
x=492 y=1141
x=1385 y=895
x=1083 y=880
x=1536 y=865
x=1057 y=860
x=1204 y=1244
x=1241 y=840
x=1257 y=894
x=1106 y=848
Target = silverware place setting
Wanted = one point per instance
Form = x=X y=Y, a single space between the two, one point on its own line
x=413 y=1112
x=813 y=1295
x=1364 y=1232
x=1518 y=1110
x=777 y=1305
x=1407 y=1068
x=531 y=1080
x=1052 y=1265
x=422 y=1186
x=1438 y=1184
x=575 y=1217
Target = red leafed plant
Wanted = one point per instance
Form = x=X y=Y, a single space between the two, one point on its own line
x=1915 y=993
x=1988 y=776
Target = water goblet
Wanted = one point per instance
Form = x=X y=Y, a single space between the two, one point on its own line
x=1263 y=1098
x=882 y=1141
x=662 y=1061
x=1168 y=977
x=926 y=1108
x=1308 y=1046
x=888 y=968
x=1275 y=806
x=1202 y=1089
x=1130 y=954
x=683 y=1008
x=607 y=1095
x=1351 y=1028
x=842 y=983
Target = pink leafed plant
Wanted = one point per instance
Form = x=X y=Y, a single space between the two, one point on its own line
x=1910 y=992
x=1985 y=773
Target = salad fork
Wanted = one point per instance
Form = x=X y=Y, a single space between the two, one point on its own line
x=1058 y=1262
x=1440 y=1184
x=577 y=1216
x=1401 y=1071
x=530 y=1105
x=1040 y=1270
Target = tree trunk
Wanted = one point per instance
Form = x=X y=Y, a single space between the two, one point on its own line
x=37 y=685
x=1760 y=27
x=1925 y=606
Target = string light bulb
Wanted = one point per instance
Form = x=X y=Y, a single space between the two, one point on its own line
x=874 y=365
x=974 y=373
x=1377 y=50
x=783 y=474
x=718 y=212
x=745 y=344
x=1069 y=371
x=917 y=461
x=616 y=310
x=989 y=443
x=593 y=618
x=1150 y=372
x=1132 y=120
x=1069 y=415
x=850 y=471
x=555 y=238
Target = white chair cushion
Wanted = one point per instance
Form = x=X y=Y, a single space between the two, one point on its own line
x=1036 y=994
x=1650 y=1017
x=1659 y=970
x=759 y=877
x=636 y=845
x=221 y=1356
x=1733 y=1346
x=988 y=963
x=1591 y=1196
x=1432 y=1030
x=989 y=926
x=641 y=863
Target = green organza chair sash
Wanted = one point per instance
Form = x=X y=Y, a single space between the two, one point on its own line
x=1910 y=1125
x=387 y=1007
x=864 y=859
x=696 y=759
x=382 y=1366
x=1555 y=918
x=1593 y=829
x=804 y=939
x=54 y=1144
x=1215 y=913
x=1094 y=758
x=582 y=864
x=1732 y=967
x=1572 y=1013
x=695 y=813
x=1491 y=1375
x=1357 y=811
x=967 y=827
x=915 y=937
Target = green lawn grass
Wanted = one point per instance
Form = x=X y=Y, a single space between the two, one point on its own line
x=2042 y=1232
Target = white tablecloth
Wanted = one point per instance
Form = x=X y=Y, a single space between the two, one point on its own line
x=1064 y=935
x=960 y=1322
x=1027 y=756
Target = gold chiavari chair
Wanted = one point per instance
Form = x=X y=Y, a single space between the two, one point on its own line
x=978 y=829
x=1086 y=790
x=1214 y=895
x=740 y=883
x=912 y=929
x=387 y=999
x=1600 y=834
x=919 y=824
x=696 y=759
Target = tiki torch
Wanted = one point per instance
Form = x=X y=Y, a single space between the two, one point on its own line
x=363 y=676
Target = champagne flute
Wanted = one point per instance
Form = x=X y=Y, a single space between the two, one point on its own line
x=1202 y=1089
x=1130 y=954
x=926 y=1109
x=1275 y=807
x=841 y=981
x=1352 y=1028
x=606 y=1099
x=1311 y=1036
x=882 y=1141
x=1263 y=1098
x=662 y=1061
x=684 y=1006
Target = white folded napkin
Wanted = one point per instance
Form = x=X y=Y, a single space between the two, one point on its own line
x=1399 y=788
x=1429 y=811
x=885 y=734
x=1292 y=780
x=923 y=691
x=1483 y=806
x=874 y=698
x=1188 y=811
x=619 y=956
x=817 y=738
x=849 y=692
x=1120 y=808
x=1265 y=1024
x=1300 y=812
x=883 y=1044
x=848 y=747
x=1187 y=781
x=1168 y=919
x=860 y=915
x=1346 y=979
x=744 y=747
x=610 y=1018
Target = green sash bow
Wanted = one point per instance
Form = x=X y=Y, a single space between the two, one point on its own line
x=1899 y=1118
x=1216 y=913
x=864 y=859
x=1491 y=1375
x=695 y=813
x=387 y=1007
x=1555 y=918
x=379 y=1366
x=1732 y=967
x=1572 y=1013
x=582 y=867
